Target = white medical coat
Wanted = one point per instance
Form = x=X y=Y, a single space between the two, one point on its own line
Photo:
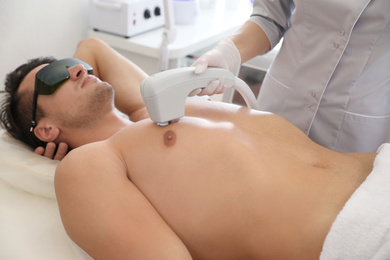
x=331 y=77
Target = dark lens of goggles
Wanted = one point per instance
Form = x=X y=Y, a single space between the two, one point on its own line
x=49 y=78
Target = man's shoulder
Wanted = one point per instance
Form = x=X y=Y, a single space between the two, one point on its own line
x=87 y=158
x=86 y=151
x=87 y=167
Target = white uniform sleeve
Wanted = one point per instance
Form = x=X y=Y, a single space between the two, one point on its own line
x=273 y=17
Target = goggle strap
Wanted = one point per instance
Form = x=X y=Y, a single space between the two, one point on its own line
x=33 y=123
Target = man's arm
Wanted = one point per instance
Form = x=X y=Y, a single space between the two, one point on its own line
x=105 y=213
x=121 y=73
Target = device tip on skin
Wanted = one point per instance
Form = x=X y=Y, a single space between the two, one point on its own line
x=167 y=123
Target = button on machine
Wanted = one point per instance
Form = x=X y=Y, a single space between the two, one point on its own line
x=147 y=14
x=157 y=11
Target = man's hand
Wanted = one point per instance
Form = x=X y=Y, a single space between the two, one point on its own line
x=225 y=55
x=51 y=152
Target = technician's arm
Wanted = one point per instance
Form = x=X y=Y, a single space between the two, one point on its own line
x=264 y=29
x=250 y=40
x=121 y=73
x=105 y=213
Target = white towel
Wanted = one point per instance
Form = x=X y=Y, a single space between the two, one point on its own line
x=362 y=228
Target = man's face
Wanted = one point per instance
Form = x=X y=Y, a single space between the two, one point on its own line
x=80 y=100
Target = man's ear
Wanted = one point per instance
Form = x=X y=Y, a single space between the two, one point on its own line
x=46 y=132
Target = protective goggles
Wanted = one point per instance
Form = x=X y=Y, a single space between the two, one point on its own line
x=50 y=77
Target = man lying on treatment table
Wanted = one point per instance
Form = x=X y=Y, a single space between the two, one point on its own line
x=224 y=182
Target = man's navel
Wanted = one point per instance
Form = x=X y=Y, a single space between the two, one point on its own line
x=169 y=138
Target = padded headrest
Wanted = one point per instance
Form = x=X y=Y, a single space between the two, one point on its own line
x=21 y=168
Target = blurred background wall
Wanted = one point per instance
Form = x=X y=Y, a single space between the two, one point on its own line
x=32 y=28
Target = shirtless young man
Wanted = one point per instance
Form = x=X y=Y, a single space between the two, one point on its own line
x=222 y=183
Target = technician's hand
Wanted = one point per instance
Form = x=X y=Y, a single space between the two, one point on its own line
x=50 y=151
x=225 y=55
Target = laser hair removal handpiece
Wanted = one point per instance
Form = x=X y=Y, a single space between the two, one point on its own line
x=165 y=93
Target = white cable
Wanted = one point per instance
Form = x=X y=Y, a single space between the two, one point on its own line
x=246 y=92
x=169 y=34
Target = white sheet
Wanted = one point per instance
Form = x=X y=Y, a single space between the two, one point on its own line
x=362 y=228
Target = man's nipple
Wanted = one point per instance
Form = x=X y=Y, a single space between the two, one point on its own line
x=169 y=138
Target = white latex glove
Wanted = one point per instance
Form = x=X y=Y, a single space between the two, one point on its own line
x=224 y=55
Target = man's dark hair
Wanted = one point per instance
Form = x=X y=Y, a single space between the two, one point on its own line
x=16 y=107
